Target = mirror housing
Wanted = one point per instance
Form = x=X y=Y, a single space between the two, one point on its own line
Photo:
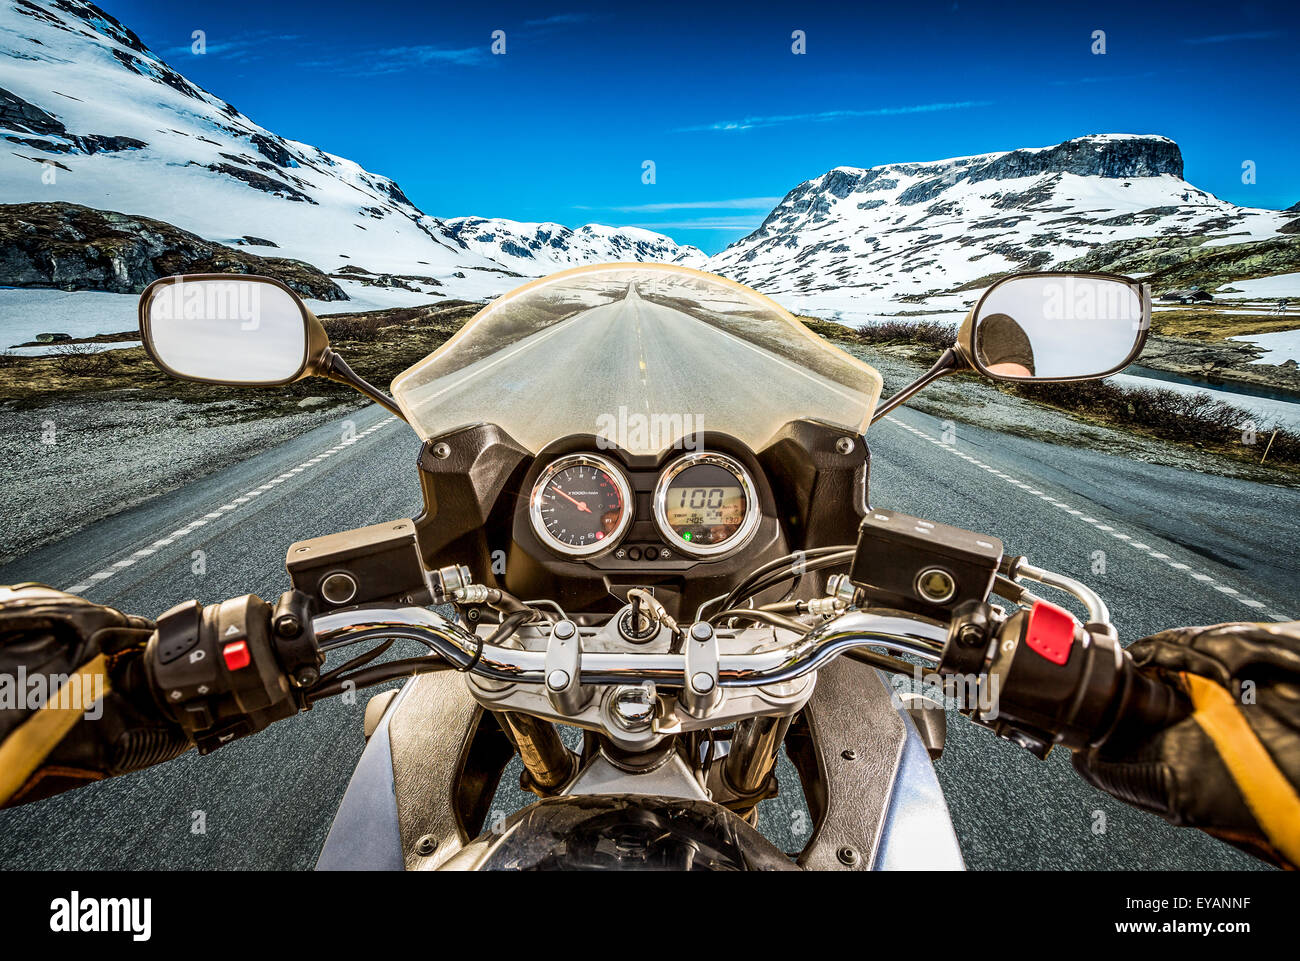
x=232 y=329
x=1052 y=307
x=1056 y=326
x=241 y=330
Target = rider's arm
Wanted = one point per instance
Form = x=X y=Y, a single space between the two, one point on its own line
x=87 y=692
x=75 y=705
x=1232 y=766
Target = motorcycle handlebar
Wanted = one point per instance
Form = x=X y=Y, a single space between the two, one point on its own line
x=893 y=631
x=226 y=670
x=1097 y=695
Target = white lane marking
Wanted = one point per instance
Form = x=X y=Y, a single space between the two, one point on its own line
x=1119 y=535
x=221 y=511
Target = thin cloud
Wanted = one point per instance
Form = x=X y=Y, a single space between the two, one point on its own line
x=1107 y=78
x=1234 y=37
x=750 y=123
x=704 y=223
x=239 y=47
x=739 y=203
x=393 y=60
x=376 y=63
x=560 y=19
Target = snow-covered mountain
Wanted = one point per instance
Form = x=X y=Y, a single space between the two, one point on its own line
x=857 y=243
x=89 y=115
x=542 y=248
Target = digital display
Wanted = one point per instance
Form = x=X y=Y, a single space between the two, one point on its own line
x=705 y=505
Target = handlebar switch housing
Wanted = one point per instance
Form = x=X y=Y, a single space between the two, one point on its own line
x=215 y=672
x=1053 y=682
x=293 y=639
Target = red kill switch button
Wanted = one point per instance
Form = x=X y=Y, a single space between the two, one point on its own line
x=1050 y=632
x=236 y=655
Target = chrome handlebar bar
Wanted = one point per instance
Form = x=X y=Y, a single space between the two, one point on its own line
x=891 y=630
x=874 y=627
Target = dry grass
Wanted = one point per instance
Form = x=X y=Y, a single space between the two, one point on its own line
x=1204 y=322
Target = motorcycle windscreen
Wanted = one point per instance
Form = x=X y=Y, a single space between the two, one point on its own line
x=640 y=355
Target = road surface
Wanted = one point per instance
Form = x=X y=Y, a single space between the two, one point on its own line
x=1179 y=548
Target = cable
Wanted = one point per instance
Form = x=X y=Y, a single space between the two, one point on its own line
x=782 y=563
x=757 y=583
x=357 y=661
x=882 y=661
x=508 y=626
x=336 y=681
x=766 y=617
x=377 y=674
x=773 y=578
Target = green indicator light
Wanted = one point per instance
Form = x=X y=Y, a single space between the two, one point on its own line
x=687 y=535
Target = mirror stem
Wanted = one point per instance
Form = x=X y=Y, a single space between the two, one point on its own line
x=950 y=361
x=334 y=367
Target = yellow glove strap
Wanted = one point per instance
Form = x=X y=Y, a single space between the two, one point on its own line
x=29 y=744
x=1269 y=795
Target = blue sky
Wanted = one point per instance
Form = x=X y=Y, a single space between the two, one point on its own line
x=558 y=128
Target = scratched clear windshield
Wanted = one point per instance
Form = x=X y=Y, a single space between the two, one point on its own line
x=639 y=355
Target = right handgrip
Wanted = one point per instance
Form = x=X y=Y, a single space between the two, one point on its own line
x=1145 y=705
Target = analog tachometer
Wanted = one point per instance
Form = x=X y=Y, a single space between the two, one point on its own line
x=581 y=505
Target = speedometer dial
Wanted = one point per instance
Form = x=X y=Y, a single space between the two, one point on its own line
x=706 y=504
x=581 y=505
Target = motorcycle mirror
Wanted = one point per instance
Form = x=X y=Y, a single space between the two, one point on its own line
x=1057 y=327
x=240 y=330
x=224 y=329
x=1045 y=327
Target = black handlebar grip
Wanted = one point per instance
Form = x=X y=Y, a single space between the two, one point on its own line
x=1146 y=705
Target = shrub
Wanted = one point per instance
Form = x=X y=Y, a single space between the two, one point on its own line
x=1170 y=414
x=928 y=333
x=359 y=328
x=83 y=360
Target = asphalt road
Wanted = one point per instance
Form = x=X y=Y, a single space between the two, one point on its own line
x=650 y=358
x=1175 y=543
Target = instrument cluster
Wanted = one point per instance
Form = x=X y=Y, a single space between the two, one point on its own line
x=703 y=504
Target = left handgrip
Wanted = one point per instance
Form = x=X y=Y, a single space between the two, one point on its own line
x=215 y=670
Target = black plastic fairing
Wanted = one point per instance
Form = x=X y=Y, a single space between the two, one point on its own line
x=810 y=481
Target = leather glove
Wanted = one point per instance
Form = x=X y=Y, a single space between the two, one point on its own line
x=1232 y=767
x=75 y=705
